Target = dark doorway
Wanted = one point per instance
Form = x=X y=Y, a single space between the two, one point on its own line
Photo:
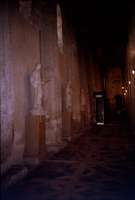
x=99 y=109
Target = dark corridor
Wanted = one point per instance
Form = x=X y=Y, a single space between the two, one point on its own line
x=67 y=100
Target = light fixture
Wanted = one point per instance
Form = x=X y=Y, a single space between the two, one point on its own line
x=133 y=71
x=126 y=91
x=122 y=87
x=129 y=82
x=125 y=94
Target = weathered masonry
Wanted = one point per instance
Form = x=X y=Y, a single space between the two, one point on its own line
x=46 y=87
x=49 y=74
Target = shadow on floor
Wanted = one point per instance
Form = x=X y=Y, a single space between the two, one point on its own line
x=100 y=165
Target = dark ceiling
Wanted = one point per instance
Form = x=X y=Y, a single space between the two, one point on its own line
x=102 y=26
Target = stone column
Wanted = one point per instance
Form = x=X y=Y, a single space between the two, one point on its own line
x=51 y=76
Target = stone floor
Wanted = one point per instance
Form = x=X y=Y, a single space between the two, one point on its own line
x=99 y=166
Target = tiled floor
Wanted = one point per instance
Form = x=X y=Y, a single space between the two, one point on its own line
x=99 y=166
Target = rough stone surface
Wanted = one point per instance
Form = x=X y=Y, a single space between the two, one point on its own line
x=66 y=83
x=130 y=98
x=113 y=85
x=98 y=166
x=21 y=54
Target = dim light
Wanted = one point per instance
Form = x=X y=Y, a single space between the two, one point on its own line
x=129 y=82
x=133 y=72
x=122 y=87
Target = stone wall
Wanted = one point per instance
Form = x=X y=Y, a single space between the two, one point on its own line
x=113 y=86
x=6 y=85
x=68 y=82
x=130 y=97
x=20 y=46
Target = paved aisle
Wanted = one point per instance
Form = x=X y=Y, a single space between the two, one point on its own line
x=99 y=166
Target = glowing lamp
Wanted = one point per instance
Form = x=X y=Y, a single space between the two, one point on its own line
x=133 y=72
x=129 y=82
